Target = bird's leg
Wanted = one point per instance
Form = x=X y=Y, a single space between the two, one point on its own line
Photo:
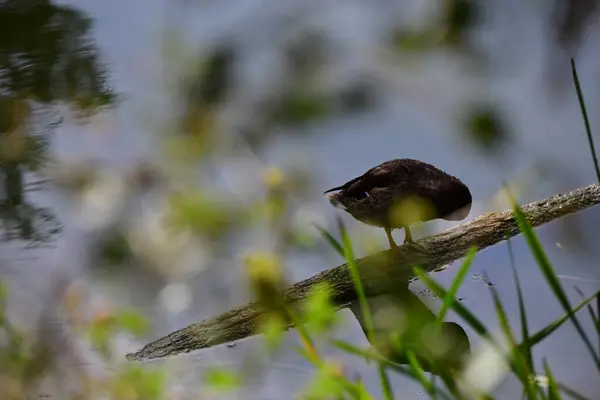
x=408 y=236
x=409 y=242
x=388 y=232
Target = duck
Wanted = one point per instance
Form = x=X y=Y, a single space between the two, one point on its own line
x=401 y=192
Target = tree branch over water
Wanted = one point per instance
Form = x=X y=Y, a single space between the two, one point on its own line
x=381 y=272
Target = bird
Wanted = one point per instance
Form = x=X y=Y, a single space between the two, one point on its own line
x=400 y=192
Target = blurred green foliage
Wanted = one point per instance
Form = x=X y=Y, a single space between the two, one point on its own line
x=459 y=17
x=222 y=380
x=485 y=127
x=319 y=309
x=202 y=214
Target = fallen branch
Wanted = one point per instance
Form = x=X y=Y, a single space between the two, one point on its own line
x=381 y=272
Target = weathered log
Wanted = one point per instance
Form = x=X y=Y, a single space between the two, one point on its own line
x=380 y=273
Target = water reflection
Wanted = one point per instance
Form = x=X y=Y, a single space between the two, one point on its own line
x=48 y=63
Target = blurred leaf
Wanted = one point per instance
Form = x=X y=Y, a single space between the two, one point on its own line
x=132 y=321
x=266 y=279
x=319 y=309
x=415 y=40
x=273 y=328
x=222 y=380
x=213 y=78
x=204 y=215
x=100 y=333
x=572 y=18
x=306 y=52
x=199 y=131
x=326 y=384
x=308 y=349
x=139 y=382
x=358 y=97
x=114 y=250
x=274 y=178
x=298 y=107
x=485 y=127
x=459 y=16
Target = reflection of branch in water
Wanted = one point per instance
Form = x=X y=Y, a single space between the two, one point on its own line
x=402 y=313
x=381 y=273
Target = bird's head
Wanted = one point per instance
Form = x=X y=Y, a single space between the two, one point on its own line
x=336 y=200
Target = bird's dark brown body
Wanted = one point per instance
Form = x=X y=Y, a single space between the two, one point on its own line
x=377 y=196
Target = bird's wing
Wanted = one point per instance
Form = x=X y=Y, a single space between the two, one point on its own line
x=393 y=173
x=435 y=186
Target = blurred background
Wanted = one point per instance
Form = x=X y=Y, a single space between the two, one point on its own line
x=147 y=146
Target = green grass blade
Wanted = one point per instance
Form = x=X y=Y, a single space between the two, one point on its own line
x=502 y=318
x=458 y=280
x=418 y=371
x=595 y=319
x=439 y=291
x=553 y=393
x=371 y=356
x=364 y=305
x=598 y=319
x=355 y=274
x=550 y=275
x=330 y=239
x=543 y=333
x=525 y=347
x=386 y=386
x=571 y=392
x=586 y=120
x=352 y=349
x=517 y=361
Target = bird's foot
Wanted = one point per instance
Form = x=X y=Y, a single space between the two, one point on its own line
x=415 y=247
